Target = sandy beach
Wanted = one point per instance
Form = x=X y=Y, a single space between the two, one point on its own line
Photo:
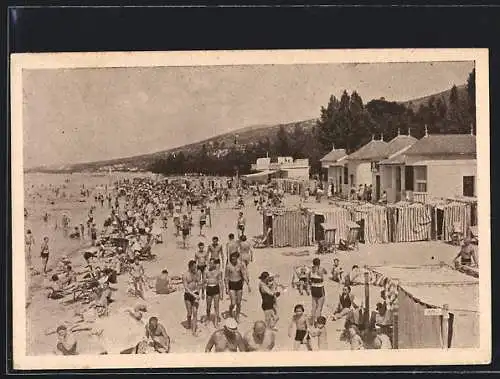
x=120 y=331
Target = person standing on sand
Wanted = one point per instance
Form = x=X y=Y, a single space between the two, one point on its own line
x=259 y=338
x=201 y=258
x=317 y=286
x=192 y=286
x=232 y=246
x=29 y=242
x=213 y=285
x=245 y=249
x=215 y=252
x=44 y=253
x=137 y=274
x=241 y=224
x=203 y=221
x=227 y=339
x=235 y=274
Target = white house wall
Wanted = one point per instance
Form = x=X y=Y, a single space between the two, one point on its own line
x=362 y=172
x=297 y=173
x=445 y=178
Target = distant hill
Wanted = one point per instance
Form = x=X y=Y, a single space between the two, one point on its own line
x=445 y=97
x=243 y=136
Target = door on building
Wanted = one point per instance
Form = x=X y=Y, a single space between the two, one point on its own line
x=398 y=183
x=377 y=187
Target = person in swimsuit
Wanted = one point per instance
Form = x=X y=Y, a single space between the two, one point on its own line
x=337 y=271
x=227 y=339
x=186 y=230
x=246 y=253
x=234 y=276
x=137 y=276
x=346 y=303
x=318 y=333
x=466 y=255
x=317 y=286
x=66 y=343
x=44 y=253
x=192 y=286
x=213 y=284
x=232 y=246
x=29 y=242
x=158 y=335
x=215 y=252
x=268 y=299
x=201 y=258
x=301 y=275
x=203 y=221
x=241 y=224
x=299 y=323
x=259 y=338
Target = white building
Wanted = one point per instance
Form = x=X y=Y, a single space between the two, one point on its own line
x=436 y=166
x=286 y=166
x=334 y=164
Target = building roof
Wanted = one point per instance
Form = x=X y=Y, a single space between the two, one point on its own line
x=398 y=143
x=334 y=155
x=373 y=150
x=444 y=144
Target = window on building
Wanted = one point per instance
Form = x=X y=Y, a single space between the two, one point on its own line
x=409 y=178
x=346 y=175
x=420 y=173
x=468 y=186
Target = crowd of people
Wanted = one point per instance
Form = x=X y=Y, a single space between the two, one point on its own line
x=140 y=212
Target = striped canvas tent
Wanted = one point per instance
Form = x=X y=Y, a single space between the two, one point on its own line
x=290 y=227
x=335 y=216
x=456 y=212
x=410 y=222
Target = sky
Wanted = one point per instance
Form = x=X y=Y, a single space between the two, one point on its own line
x=82 y=115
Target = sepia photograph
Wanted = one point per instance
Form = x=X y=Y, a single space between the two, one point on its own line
x=280 y=208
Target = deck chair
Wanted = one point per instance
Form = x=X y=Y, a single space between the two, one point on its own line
x=352 y=241
x=457 y=234
x=262 y=240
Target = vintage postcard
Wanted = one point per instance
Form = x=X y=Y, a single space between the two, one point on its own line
x=250 y=208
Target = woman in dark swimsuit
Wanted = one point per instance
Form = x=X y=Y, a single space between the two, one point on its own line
x=317 y=286
x=268 y=300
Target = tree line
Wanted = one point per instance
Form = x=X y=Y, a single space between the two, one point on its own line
x=346 y=122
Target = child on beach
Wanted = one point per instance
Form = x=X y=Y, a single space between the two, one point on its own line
x=355 y=339
x=319 y=334
x=299 y=322
x=29 y=242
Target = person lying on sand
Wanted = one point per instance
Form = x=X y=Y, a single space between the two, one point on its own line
x=66 y=343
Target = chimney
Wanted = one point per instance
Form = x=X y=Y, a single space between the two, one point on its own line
x=399 y=131
x=333 y=147
x=426 y=131
x=373 y=137
x=382 y=136
x=409 y=130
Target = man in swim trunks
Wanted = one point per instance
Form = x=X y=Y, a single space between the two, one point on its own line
x=213 y=285
x=158 y=335
x=227 y=339
x=203 y=221
x=232 y=246
x=66 y=343
x=201 y=258
x=246 y=253
x=259 y=338
x=192 y=286
x=235 y=274
x=186 y=229
x=215 y=252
